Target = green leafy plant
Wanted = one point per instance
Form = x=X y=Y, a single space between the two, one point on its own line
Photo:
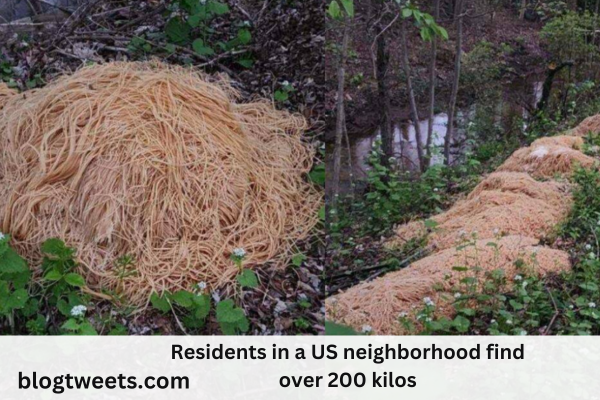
x=283 y=94
x=428 y=28
x=77 y=324
x=340 y=9
x=231 y=319
x=191 y=26
x=14 y=277
x=194 y=307
x=246 y=277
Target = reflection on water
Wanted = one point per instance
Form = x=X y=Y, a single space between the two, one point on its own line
x=405 y=142
x=510 y=108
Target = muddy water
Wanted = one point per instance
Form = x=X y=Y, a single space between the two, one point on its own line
x=511 y=107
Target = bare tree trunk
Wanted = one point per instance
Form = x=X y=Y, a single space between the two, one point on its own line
x=340 y=115
x=411 y=94
x=385 y=125
x=452 y=107
x=523 y=9
x=436 y=15
x=547 y=87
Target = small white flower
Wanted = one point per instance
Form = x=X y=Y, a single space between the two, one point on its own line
x=493 y=321
x=592 y=304
x=2 y=236
x=518 y=278
x=78 y=311
x=302 y=296
x=403 y=314
x=509 y=321
x=366 y=329
x=201 y=285
x=457 y=295
x=428 y=319
x=216 y=296
x=496 y=231
x=525 y=284
x=285 y=83
x=523 y=333
x=246 y=23
x=588 y=246
x=436 y=189
x=239 y=252
x=571 y=306
x=428 y=301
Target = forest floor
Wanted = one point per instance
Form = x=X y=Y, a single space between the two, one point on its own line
x=286 y=49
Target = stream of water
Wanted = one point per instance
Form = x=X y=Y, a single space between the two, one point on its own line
x=511 y=107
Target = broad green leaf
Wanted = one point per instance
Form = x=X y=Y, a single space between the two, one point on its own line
x=348 y=7
x=244 y=36
x=160 y=302
x=118 y=330
x=461 y=324
x=74 y=279
x=298 y=259
x=177 y=30
x=36 y=326
x=443 y=32
x=64 y=307
x=246 y=63
x=18 y=299
x=11 y=262
x=197 y=18
x=201 y=306
x=516 y=305
x=57 y=247
x=247 y=278
x=406 y=12
x=70 y=325
x=281 y=96
x=317 y=175
x=591 y=286
x=53 y=275
x=182 y=298
x=19 y=280
x=334 y=10
x=201 y=49
x=218 y=8
x=31 y=307
x=88 y=329
x=231 y=319
x=4 y=245
x=191 y=322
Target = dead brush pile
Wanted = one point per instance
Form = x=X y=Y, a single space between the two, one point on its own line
x=159 y=163
x=509 y=209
